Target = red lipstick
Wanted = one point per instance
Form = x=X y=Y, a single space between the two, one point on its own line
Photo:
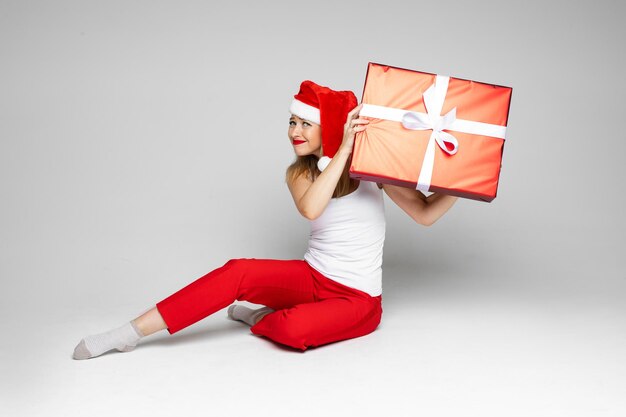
x=298 y=142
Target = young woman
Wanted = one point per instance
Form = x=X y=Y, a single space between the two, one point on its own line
x=334 y=293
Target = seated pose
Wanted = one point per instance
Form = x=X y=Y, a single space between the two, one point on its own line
x=334 y=293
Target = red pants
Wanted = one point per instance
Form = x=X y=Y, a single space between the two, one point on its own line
x=311 y=310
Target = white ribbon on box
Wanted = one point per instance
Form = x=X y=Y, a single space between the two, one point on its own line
x=434 y=98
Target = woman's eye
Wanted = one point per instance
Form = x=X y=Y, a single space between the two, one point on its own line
x=306 y=124
x=291 y=123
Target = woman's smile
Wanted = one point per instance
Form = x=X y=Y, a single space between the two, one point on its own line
x=298 y=142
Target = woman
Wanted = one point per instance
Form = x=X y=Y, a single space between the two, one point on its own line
x=334 y=293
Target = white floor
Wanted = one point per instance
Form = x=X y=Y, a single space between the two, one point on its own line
x=474 y=345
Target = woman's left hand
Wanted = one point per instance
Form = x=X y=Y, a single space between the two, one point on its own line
x=352 y=126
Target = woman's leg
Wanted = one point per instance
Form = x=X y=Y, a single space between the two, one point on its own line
x=274 y=283
x=150 y=322
x=315 y=324
x=339 y=313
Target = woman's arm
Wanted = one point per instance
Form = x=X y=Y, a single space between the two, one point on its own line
x=312 y=197
x=424 y=210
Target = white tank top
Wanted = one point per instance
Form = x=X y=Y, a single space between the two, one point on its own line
x=346 y=242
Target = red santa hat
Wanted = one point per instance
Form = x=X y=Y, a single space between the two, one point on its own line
x=326 y=107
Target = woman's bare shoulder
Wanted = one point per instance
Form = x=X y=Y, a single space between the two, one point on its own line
x=299 y=184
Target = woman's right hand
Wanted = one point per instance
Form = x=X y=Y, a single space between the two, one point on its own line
x=352 y=126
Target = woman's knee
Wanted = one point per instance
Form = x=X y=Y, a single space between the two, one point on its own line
x=277 y=327
x=237 y=263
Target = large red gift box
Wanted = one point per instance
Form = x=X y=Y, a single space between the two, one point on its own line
x=431 y=132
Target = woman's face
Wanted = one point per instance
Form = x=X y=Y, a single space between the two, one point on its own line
x=305 y=136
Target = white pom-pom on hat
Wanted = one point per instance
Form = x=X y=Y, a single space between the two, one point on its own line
x=323 y=162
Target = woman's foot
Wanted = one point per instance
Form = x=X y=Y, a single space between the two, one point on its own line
x=247 y=315
x=124 y=339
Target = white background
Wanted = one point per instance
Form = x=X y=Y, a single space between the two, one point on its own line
x=143 y=144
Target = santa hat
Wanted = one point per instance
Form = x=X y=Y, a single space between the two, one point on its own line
x=327 y=108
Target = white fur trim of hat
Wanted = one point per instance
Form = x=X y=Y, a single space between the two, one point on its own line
x=305 y=111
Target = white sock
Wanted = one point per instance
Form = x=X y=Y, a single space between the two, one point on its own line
x=124 y=339
x=247 y=315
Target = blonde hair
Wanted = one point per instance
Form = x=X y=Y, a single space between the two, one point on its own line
x=307 y=165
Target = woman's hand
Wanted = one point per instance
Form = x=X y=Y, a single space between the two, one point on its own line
x=352 y=126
